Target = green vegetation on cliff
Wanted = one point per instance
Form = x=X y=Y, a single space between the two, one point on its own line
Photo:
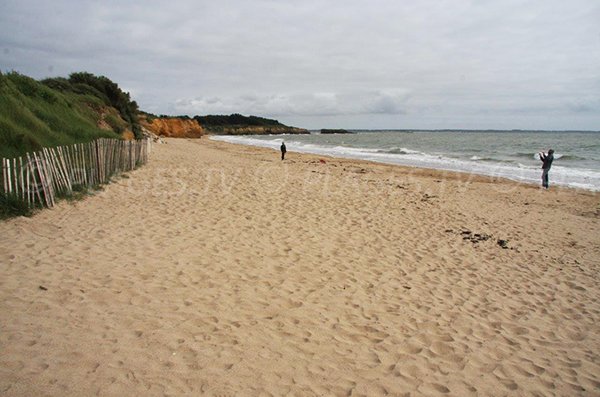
x=213 y=121
x=60 y=111
x=239 y=124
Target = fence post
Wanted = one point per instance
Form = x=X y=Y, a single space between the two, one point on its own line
x=41 y=175
x=22 y=178
x=49 y=180
x=15 y=177
x=29 y=194
x=31 y=173
x=9 y=191
x=4 y=185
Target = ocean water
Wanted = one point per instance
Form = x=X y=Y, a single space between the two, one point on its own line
x=509 y=154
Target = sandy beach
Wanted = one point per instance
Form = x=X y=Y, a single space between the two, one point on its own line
x=218 y=269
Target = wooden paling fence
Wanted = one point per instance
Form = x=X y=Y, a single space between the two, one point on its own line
x=38 y=178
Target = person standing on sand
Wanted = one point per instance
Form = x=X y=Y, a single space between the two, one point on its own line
x=283 y=150
x=546 y=164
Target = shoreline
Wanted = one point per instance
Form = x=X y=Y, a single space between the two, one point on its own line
x=220 y=269
x=493 y=169
x=421 y=169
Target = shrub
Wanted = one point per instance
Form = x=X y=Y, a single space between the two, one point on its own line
x=235 y=119
x=11 y=205
x=88 y=84
x=115 y=123
x=58 y=83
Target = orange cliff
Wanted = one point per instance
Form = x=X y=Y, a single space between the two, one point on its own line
x=173 y=127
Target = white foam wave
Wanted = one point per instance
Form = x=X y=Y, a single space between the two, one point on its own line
x=574 y=177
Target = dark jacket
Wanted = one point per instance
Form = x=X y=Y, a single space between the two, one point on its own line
x=546 y=160
x=283 y=149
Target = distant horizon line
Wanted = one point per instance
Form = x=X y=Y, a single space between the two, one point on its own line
x=448 y=130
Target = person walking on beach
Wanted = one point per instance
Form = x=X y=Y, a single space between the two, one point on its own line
x=546 y=164
x=283 y=150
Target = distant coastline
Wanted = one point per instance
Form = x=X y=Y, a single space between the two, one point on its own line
x=335 y=131
x=409 y=130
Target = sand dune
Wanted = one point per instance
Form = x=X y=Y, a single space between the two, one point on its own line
x=220 y=270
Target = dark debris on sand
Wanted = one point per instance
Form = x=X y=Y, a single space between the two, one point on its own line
x=475 y=238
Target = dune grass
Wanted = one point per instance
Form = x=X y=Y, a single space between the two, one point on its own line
x=11 y=206
x=33 y=115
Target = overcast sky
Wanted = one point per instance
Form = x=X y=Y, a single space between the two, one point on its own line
x=327 y=64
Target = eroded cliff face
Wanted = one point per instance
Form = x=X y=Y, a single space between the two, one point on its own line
x=173 y=127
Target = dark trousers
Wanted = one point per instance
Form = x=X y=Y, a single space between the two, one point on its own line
x=282 y=155
x=545 y=178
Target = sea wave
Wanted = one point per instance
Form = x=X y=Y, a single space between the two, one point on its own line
x=491 y=159
x=523 y=172
x=398 y=150
x=571 y=157
x=529 y=155
x=561 y=156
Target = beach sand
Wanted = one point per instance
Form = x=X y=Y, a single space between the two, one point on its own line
x=218 y=269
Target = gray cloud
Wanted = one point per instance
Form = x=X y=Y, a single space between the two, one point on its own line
x=306 y=105
x=378 y=64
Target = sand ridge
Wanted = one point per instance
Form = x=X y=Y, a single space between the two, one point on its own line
x=217 y=269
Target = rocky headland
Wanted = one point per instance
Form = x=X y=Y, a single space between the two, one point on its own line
x=335 y=131
x=255 y=130
x=172 y=127
x=235 y=124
